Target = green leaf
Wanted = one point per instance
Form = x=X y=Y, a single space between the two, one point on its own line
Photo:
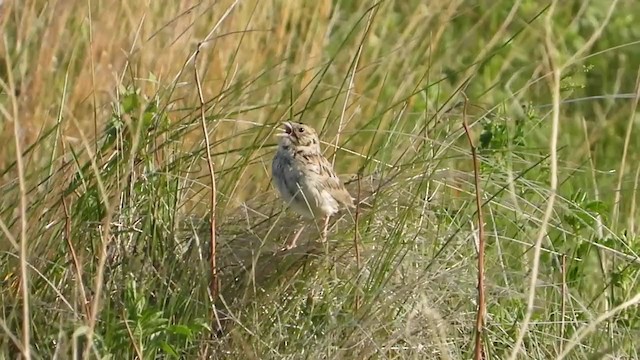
x=168 y=349
x=130 y=102
x=180 y=330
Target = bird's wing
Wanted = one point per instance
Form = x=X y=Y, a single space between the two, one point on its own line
x=332 y=183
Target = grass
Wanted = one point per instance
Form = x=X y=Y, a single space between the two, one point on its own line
x=105 y=215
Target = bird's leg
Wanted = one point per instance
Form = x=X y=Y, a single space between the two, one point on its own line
x=325 y=229
x=293 y=243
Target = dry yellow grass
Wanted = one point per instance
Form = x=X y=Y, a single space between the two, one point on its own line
x=262 y=61
x=75 y=54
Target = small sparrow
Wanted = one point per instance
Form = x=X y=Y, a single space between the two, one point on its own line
x=305 y=178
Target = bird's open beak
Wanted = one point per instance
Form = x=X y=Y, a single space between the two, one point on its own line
x=287 y=129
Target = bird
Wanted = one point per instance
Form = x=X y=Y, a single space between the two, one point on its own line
x=305 y=179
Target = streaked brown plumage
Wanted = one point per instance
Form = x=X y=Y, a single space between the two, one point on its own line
x=305 y=178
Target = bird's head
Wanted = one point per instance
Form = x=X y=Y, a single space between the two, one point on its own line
x=299 y=135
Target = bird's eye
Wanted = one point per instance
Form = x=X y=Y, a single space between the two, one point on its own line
x=301 y=130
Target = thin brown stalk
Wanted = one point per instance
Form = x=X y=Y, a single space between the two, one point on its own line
x=74 y=258
x=136 y=348
x=480 y=315
x=213 y=285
